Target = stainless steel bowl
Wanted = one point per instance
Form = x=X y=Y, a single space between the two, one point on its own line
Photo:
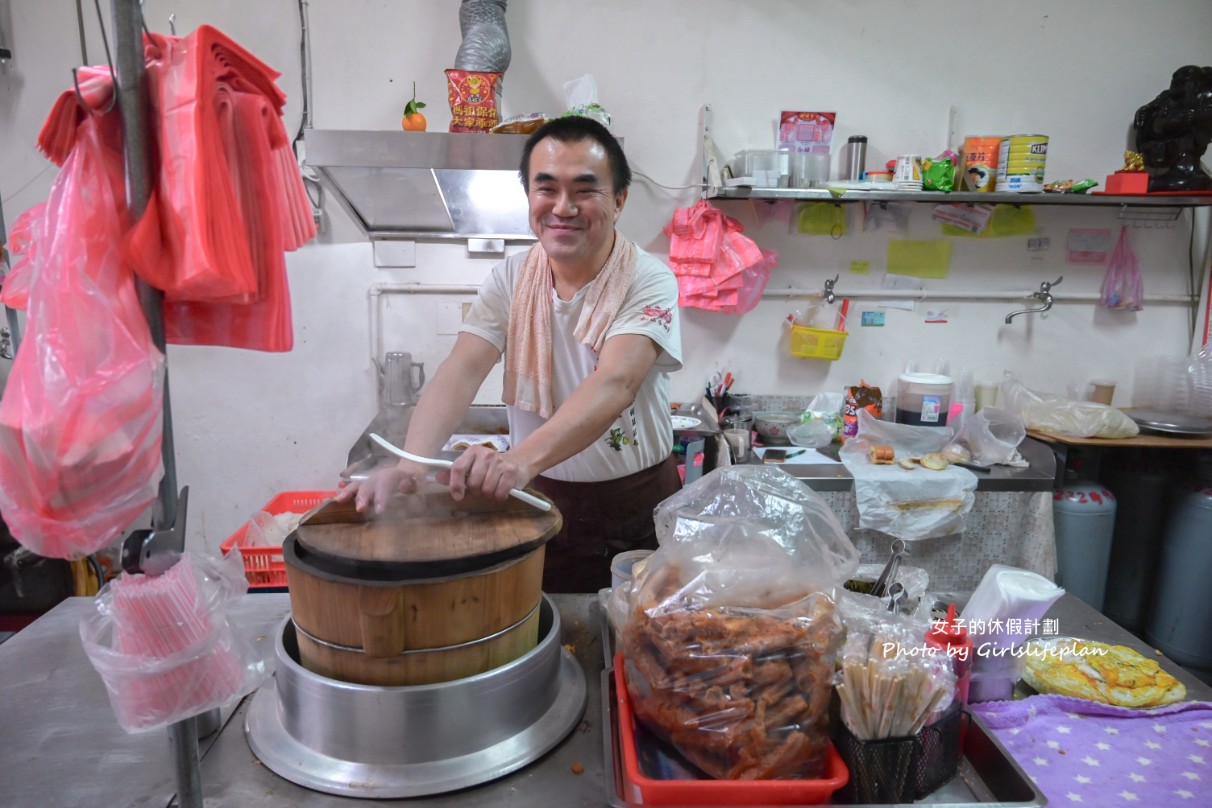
x=388 y=742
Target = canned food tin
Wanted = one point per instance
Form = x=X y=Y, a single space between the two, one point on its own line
x=1020 y=164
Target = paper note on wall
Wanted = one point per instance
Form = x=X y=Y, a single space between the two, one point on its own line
x=900 y=284
x=919 y=259
x=821 y=219
x=1088 y=245
x=1006 y=220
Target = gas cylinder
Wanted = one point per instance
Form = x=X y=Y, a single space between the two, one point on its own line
x=1180 y=624
x=1142 y=491
x=1083 y=516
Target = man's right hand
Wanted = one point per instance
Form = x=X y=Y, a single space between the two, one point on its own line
x=381 y=485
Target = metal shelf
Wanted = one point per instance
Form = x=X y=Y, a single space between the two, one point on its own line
x=955 y=198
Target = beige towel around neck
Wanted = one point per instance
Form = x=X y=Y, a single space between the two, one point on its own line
x=527 y=382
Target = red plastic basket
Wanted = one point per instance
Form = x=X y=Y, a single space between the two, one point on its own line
x=263 y=566
x=641 y=790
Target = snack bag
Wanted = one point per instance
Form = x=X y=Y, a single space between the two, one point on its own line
x=861 y=397
x=473 y=100
x=938 y=174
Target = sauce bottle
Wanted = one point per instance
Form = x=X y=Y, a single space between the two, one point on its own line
x=951 y=638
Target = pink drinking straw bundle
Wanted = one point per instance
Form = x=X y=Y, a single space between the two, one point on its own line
x=170 y=653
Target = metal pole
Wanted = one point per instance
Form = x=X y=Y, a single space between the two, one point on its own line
x=131 y=81
x=14 y=325
x=133 y=103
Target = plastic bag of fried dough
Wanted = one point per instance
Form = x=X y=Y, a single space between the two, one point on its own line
x=731 y=635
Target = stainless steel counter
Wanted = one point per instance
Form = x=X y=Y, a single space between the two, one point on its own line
x=62 y=747
x=1040 y=475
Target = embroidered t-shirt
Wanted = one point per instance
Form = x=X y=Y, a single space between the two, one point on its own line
x=642 y=435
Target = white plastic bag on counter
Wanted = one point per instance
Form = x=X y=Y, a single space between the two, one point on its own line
x=991 y=436
x=909 y=504
x=1062 y=416
x=164 y=646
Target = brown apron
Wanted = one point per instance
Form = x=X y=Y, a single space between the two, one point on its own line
x=602 y=519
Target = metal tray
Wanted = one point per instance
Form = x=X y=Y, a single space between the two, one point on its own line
x=1171 y=423
x=988 y=776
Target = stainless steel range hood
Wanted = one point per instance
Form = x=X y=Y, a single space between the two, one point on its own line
x=401 y=185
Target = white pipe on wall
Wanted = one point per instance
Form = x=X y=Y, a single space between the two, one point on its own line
x=376 y=292
x=924 y=294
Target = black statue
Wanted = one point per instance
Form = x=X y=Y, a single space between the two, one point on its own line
x=1173 y=130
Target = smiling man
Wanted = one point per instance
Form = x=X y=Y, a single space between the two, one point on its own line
x=587 y=324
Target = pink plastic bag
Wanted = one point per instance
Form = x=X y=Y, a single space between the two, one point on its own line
x=718 y=267
x=81 y=417
x=1122 y=287
x=164 y=645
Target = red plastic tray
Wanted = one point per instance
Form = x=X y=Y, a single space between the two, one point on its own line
x=263 y=566
x=641 y=790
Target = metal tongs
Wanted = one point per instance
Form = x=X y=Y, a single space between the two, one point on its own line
x=516 y=493
x=883 y=584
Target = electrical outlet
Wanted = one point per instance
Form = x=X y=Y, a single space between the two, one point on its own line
x=1038 y=244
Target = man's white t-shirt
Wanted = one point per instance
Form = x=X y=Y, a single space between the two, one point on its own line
x=642 y=435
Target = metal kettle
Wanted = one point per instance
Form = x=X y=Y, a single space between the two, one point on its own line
x=400 y=380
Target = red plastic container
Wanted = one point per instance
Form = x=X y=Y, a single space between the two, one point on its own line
x=263 y=566
x=641 y=790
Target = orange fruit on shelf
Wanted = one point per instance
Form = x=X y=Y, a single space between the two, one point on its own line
x=413 y=120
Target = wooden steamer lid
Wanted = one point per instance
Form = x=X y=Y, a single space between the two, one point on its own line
x=426 y=535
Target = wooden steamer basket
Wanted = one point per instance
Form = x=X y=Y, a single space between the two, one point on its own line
x=430 y=591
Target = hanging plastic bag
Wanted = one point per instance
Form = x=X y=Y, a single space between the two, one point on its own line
x=1122 y=286
x=717 y=266
x=81 y=417
x=164 y=647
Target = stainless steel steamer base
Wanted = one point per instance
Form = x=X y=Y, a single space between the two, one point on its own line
x=387 y=742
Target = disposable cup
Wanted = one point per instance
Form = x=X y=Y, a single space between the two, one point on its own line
x=1102 y=391
x=986 y=395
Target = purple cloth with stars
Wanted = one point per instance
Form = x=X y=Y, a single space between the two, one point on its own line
x=1080 y=752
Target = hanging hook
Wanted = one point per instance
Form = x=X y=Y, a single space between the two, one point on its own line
x=113 y=98
x=829 y=295
x=109 y=61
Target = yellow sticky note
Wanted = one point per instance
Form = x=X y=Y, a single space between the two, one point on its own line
x=821 y=219
x=921 y=259
x=860 y=267
x=1007 y=220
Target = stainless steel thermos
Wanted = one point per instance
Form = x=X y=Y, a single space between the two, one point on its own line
x=858 y=157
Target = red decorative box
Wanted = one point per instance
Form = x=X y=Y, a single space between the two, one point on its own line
x=1128 y=182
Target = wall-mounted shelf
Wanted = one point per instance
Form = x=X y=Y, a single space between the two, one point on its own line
x=957 y=198
x=713 y=187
